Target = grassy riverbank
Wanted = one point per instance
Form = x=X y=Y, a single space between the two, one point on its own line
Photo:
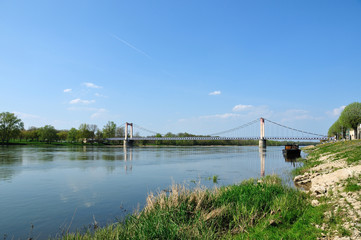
x=254 y=209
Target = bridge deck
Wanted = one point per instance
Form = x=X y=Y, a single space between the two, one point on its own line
x=213 y=138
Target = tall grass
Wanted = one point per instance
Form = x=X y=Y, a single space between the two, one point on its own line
x=254 y=209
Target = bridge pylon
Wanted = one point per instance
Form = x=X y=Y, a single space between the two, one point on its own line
x=127 y=142
x=262 y=140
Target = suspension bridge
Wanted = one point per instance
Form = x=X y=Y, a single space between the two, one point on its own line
x=253 y=130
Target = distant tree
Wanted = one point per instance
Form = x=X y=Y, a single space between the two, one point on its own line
x=99 y=135
x=84 y=132
x=158 y=142
x=32 y=133
x=120 y=132
x=72 y=135
x=23 y=135
x=47 y=134
x=63 y=135
x=109 y=129
x=335 y=129
x=10 y=126
x=92 y=129
x=351 y=116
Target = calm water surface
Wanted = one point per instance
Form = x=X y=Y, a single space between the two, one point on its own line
x=55 y=189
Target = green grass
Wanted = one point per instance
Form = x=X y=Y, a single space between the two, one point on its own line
x=215 y=178
x=348 y=150
x=352 y=184
x=264 y=209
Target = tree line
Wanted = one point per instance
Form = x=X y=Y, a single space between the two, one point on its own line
x=350 y=118
x=12 y=128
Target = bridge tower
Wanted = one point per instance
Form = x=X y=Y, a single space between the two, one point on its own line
x=262 y=140
x=126 y=141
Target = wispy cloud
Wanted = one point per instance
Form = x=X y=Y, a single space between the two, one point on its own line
x=78 y=100
x=26 y=115
x=68 y=90
x=95 y=112
x=221 y=116
x=292 y=115
x=100 y=95
x=131 y=46
x=215 y=93
x=244 y=112
x=98 y=113
x=337 y=111
x=91 y=85
x=240 y=108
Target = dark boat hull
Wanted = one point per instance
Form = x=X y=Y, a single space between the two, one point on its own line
x=291 y=153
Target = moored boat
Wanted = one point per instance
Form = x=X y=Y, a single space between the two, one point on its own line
x=291 y=151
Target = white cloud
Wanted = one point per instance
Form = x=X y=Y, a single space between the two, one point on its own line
x=100 y=95
x=240 y=107
x=78 y=100
x=68 y=90
x=337 y=111
x=221 y=116
x=25 y=115
x=215 y=93
x=98 y=113
x=91 y=85
x=252 y=113
x=297 y=114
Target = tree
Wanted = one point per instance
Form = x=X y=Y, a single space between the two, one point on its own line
x=62 y=135
x=120 y=132
x=335 y=129
x=92 y=129
x=72 y=135
x=10 y=126
x=99 y=135
x=109 y=129
x=351 y=116
x=83 y=131
x=47 y=133
x=32 y=133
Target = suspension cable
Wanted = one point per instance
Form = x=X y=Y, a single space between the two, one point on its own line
x=236 y=128
x=150 y=131
x=297 y=130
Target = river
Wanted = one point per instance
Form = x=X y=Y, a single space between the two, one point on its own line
x=46 y=191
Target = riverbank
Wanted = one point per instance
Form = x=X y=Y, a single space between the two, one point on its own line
x=327 y=208
x=254 y=209
x=332 y=175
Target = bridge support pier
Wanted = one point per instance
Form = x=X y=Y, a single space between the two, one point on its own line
x=127 y=142
x=262 y=143
x=262 y=140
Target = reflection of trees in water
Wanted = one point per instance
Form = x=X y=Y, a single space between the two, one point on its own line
x=7 y=173
x=9 y=159
x=107 y=154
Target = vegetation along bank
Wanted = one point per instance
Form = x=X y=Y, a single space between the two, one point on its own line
x=328 y=207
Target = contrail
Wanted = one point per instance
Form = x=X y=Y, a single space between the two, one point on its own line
x=131 y=46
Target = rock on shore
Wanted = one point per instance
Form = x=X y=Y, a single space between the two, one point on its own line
x=327 y=181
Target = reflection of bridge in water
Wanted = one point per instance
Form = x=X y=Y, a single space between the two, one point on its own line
x=248 y=131
x=128 y=155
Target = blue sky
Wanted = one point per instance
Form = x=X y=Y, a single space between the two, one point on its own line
x=195 y=66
